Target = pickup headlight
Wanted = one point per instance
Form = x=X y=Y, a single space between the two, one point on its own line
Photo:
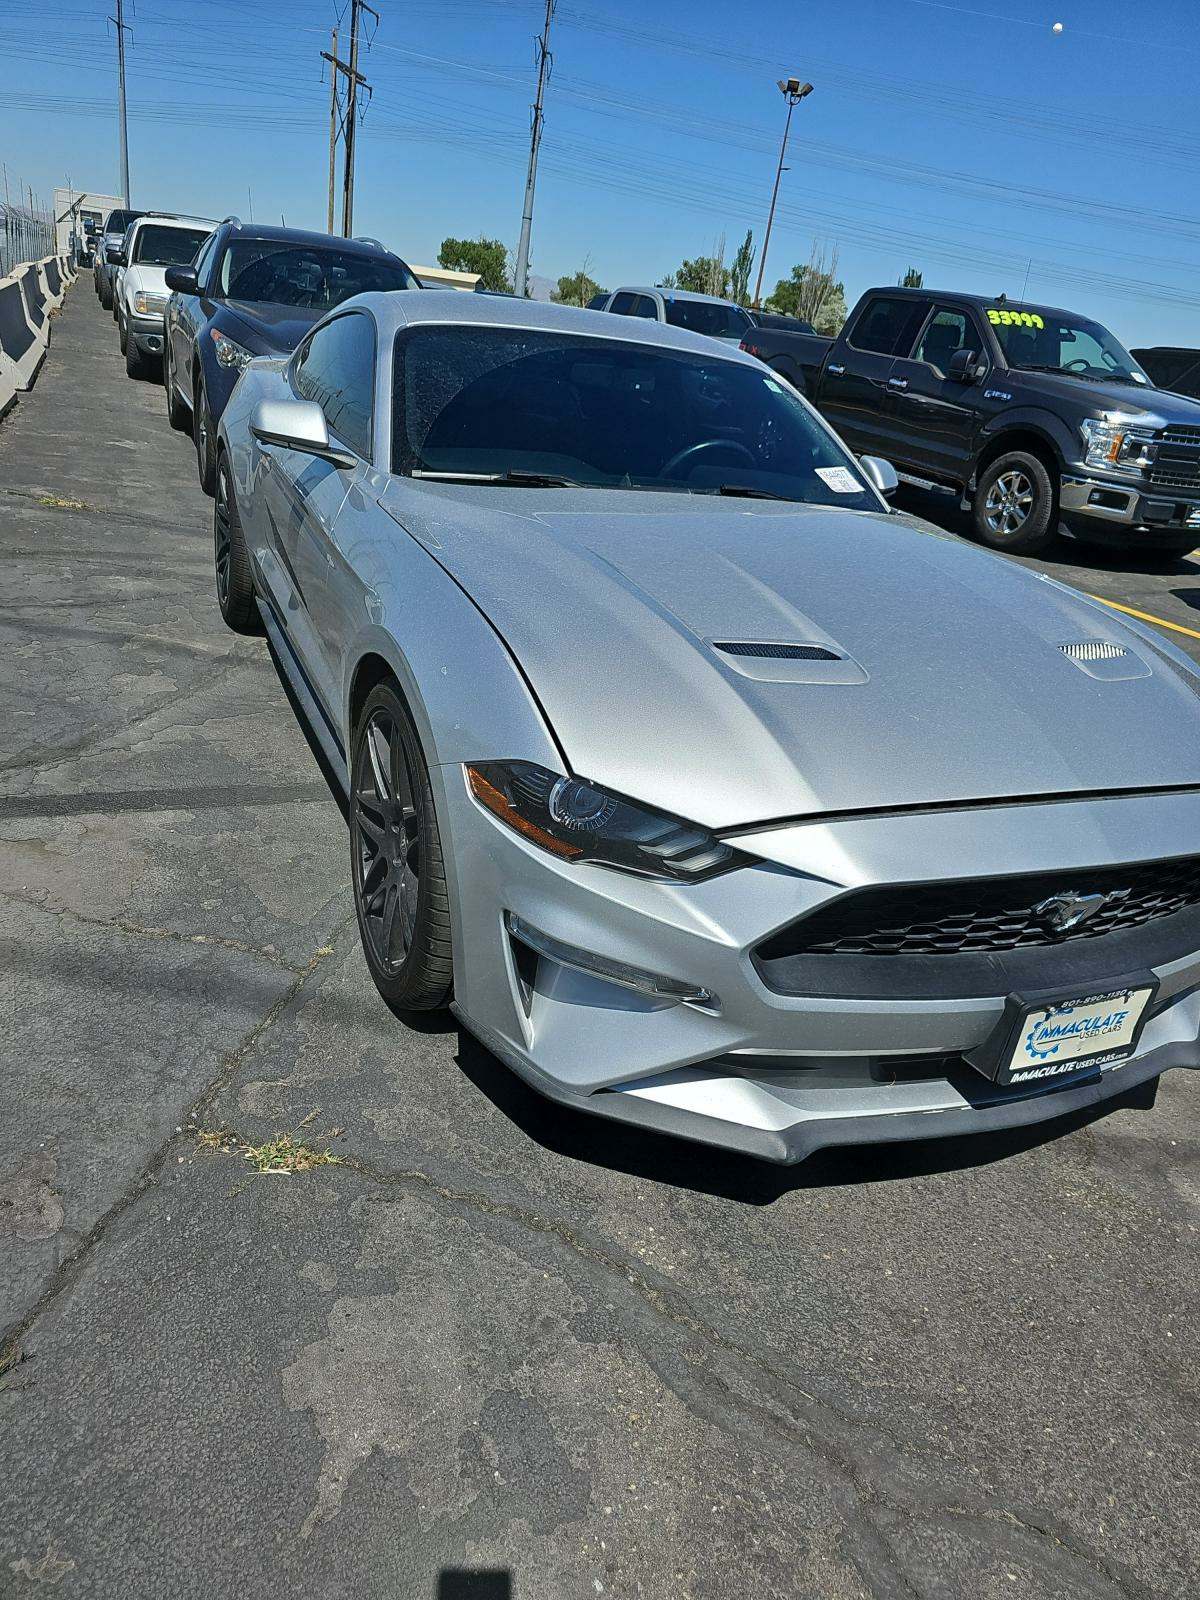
x=579 y=821
x=149 y=305
x=229 y=352
x=1117 y=446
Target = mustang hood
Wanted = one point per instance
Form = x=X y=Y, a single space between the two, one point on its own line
x=948 y=679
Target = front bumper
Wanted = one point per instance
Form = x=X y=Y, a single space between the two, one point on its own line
x=147 y=333
x=1117 y=510
x=758 y=1071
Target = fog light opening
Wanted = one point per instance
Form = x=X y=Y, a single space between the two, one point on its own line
x=625 y=976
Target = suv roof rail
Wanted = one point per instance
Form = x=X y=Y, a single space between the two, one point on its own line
x=365 y=238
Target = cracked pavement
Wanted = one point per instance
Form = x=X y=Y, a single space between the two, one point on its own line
x=494 y=1339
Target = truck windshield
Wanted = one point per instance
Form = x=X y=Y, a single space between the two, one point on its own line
x=703 y=316
x=1037 y=339
x=310 y=276
x=168 y=247
x=516 y=404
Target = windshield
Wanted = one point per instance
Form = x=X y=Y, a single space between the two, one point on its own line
x=705 y=316
x=1040 y=340
x=309 y=276
x=471 y=401
x=161 y=246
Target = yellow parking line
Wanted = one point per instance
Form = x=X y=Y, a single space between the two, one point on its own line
x=1144 y=616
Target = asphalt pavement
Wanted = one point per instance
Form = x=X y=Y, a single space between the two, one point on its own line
x=488 y=1349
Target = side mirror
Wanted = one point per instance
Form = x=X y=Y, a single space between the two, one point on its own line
x=297 y=425
x=115 y=257
x=183 y=280
x=965 y=367
x=880 y=474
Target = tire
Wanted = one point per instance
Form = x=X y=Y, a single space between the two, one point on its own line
x=1014 y=507
x=396 y=863
x=202 y=435
x=122 y=337
x=231 y=564
x=105 y=293
x=136 y=364
x=178 y=414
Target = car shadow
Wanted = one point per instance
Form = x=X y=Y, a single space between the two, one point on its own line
x=704 y=1169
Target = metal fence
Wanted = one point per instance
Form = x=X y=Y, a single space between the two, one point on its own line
x=25 y=235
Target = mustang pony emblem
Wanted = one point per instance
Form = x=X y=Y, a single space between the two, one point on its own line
x=1062 y=913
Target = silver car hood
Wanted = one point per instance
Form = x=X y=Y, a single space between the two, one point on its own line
x=950 y=683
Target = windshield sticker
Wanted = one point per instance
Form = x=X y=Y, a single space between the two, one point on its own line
x=772 y=385
x=840 y=479
x=1014 y=319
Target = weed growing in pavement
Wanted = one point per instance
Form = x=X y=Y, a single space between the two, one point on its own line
x=282 y=1154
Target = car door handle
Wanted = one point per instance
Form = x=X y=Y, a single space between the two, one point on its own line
x=897 y=383
x=835 y=371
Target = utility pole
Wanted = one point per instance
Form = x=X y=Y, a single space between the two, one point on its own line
x=354 y=81
x=793 y=92
x=333 y=127
x=545 y=60
x=119 y=20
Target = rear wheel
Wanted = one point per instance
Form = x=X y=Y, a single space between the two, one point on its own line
x=396 y=859
x=235 y=586
x=178 y=414
x=105 y=292
x=1014 y=507
x=202 y=433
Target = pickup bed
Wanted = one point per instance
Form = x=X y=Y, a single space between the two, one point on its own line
x=1033 y=417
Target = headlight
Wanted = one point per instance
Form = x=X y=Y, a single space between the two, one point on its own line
x=229 y=352
x=1117 y=445
x=579 y=821
x=149 y=305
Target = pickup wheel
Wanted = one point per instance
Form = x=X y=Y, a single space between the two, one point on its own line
x=1014 y=505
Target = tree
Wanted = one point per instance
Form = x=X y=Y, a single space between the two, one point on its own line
x=739 y=273
x=577 y=288
x=813 y=293
x=703 y=275
x=487 y=257
x=912 y=279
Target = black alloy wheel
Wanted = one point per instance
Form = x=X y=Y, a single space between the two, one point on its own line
x=235 y=586
x=203 y=434
x=396 y=859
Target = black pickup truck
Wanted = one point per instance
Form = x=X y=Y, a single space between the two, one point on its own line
x=1032 y=416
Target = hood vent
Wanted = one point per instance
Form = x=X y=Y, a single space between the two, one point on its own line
x=761 y=650
x=1093 y=650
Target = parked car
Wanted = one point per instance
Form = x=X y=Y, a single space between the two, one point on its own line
x=639 y=695
x=255 y=290
x=698 y=313
x=1032 y=416
x=115 y=224
x=153 y=243
x=1172 y=367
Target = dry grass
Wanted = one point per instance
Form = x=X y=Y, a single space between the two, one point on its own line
x=282 y=1154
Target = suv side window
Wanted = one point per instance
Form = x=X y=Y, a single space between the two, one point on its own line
x=622 y=304
x=645 y=307
x=204 y=260
x=887 y=326
x=946 y=332
x=336 y=368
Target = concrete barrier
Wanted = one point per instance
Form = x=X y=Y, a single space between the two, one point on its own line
x=27 y=297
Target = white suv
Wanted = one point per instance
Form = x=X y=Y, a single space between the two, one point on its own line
x=156 y=241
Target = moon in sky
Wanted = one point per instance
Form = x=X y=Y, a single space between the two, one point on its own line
x=1057 y=28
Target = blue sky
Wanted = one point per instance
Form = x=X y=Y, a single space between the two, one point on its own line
x=965 y=139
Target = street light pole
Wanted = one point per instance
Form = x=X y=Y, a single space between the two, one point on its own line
x=793 y=92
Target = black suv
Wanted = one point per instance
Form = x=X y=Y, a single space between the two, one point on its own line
x=255 y=291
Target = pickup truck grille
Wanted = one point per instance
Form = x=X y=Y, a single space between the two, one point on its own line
x=986 y=914
x=1177 y=460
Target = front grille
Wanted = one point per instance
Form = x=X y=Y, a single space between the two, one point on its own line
x=1177 y=459
x=986 y=914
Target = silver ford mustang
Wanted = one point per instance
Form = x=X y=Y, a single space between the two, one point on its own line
x=719 y=797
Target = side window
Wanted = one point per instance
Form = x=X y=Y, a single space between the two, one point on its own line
x=946 y=332
x=645 y=307
x=204 y=261
x=622 y=303
x=887 y=326
x=336 y=368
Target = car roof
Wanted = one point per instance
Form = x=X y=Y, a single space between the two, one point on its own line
x=417 y=307
x=172 y=219
x=324 y=241
x=676 y=294
x=980 y=301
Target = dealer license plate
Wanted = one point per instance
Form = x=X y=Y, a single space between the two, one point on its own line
x=1092 y=1030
